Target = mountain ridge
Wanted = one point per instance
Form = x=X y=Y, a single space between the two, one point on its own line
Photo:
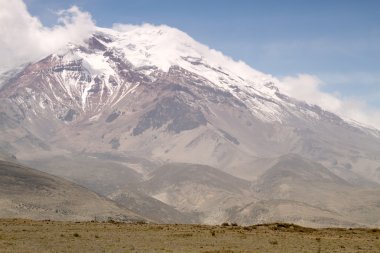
x=28 y=193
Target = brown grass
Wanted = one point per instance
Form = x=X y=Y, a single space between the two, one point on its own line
x=48 y=236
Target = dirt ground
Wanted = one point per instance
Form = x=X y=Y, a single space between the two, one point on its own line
x=52 y=236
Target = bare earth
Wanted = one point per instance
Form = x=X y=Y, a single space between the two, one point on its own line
x=50 y=236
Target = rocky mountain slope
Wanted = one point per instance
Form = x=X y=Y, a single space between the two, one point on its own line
x=308 y=193
x=28 y=193
x=139 y=99
x=114 y=178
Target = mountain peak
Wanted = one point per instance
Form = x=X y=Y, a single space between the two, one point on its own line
x=113 y=62
x=163 y=46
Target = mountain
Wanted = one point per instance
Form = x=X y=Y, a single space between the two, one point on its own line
x=150 y=207
x=302 y=184
x=112 y=177
x=198 y=189
x=141 y=98
x=27 y=193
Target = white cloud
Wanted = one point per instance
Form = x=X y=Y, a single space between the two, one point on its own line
x=308 y=88
x=24 y=38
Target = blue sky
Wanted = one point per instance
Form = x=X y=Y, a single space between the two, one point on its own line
x=338 y=41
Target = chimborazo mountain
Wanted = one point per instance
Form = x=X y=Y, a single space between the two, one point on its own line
x=147 y=116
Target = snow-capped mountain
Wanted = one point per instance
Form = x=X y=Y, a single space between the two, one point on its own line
x=114 y=63
x=145 y=96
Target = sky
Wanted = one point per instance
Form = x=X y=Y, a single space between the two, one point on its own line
x=324 y=52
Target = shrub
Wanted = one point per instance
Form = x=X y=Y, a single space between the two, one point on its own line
x=141 y=222
x=273 y=242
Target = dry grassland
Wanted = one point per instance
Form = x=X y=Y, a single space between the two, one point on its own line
x=51 y=236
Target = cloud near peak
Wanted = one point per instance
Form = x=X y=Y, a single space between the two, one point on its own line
x=24 y=38
x=308 y=88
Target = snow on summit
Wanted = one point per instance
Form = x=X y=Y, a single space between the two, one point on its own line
x=113 y=62
x=163 y=46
